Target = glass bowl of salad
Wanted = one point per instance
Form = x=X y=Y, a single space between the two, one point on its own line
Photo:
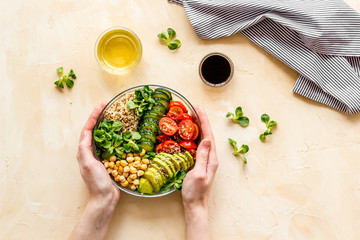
x=147 y=137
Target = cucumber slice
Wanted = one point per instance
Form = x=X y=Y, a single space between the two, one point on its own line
x=152 y=115
x=150 y=126
x=160 y=107
x=150 y=119
x=158 y=94
x=148 y=134
x=167 y=92
x=163 y=101
x=146 y=144
x=157 y=111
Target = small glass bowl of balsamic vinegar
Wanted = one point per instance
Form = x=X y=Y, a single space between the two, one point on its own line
x=216 y=69
x=118 y=50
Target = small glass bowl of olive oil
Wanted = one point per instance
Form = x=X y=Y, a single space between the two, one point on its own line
x=118 y=50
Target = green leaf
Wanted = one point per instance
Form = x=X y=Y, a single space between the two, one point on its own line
x=272 y=124
x=178 y=186
x=244 y=148
x=59 y=83
x=127 y=136
x=229 y=114
x=117 y=126
x=60 y=69
x=262 y=137
x=268 y=132
x=265 y=118
x=136 y=136
x=162 y=36
x=171 y=33
x=243 y=121
x=174 y=44
x=238 y=112
x=131 y=105
x=69 y=82
x=232 y=142
x=72 y=74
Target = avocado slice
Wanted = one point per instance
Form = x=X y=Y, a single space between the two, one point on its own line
x=186 y=159
x=170 y=157
x=168 y=162
x=145 y=187
x=181 y=161
x=190 y=158
x=157 y=168
x=157 y=175
x=149 y=175
x=164 y=166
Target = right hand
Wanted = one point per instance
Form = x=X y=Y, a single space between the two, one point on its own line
x=197 y=183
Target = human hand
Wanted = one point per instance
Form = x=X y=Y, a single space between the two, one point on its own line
x=197 y=183
x=96 y=178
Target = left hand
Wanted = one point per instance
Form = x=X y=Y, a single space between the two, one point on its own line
x=93 y=172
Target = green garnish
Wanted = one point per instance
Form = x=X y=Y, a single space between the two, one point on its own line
x=143 y=101
x=238 y=117
x=175 y=181
x=149 y=155
x=269 y=124
x=172 y=44
x=238 y=151
x=65 y=78
x=110 y=142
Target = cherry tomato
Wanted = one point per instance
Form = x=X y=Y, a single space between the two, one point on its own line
x=196 y=132
x=168 y=126
x=186 y=129
x=175 y=113
x=177 y=137
x=177 y=104
x=163 y=138
x=188 y=144
x=186 y=116
x=171 y=147
x=159 y=148
x=192 y=152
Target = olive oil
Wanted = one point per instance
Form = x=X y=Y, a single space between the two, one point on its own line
x=118 y=50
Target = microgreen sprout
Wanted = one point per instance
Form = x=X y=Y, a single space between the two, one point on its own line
x=172 y=44
x=239 y=117
x=269 y=124
x=67 y=78
x=239 y=151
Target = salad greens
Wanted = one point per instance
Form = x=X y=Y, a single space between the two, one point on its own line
x=67 y=78
x=269 y=124
x=143 y=101
x=239 y=151
x=109 y=142
x=172 y=44
x=175 y=181
x=238 y=117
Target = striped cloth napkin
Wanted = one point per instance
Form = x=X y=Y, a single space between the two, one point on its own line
x=320 y=39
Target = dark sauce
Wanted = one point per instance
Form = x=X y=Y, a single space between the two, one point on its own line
x=216 y=69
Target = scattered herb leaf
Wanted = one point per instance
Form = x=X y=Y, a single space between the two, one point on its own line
x=269 y=124
x=172 y=44
x=239 y=117
x=67 y=78
x=239 y=151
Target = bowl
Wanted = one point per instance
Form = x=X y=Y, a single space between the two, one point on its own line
x=118 y=50
x=176 y=96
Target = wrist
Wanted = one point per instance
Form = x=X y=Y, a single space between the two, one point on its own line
x=196 y=211
x=103 y=203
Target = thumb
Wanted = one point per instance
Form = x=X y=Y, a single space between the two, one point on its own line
x=202 y=155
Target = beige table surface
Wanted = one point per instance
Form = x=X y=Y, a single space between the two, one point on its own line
x=303 y=183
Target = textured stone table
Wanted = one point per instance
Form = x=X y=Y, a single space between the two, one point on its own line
x=303 y=183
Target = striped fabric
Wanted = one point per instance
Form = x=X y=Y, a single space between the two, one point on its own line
x=320 y=39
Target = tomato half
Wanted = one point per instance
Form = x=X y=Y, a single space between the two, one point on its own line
x=186 y=129
x=177 y=104
x=188 y=144
x=163 y=138
x=171 y=147
x=175 y=113
x=196 y=132
x=186 y=116
x=159 y=148
x=168 y=126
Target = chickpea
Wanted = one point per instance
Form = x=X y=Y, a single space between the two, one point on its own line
x=125 y=183
x=142 y=153
x=122 y=178
x=133 y=187
x=130 y=155
x=131 y=165
x=129 y=180
x=126 y=174
x=146 y=161
x=111 y=164
x=115 y=167
x=133 y=176
x=117 y=163
x=130 y=159
x=133 y=170
x=140 y=173
x=106 y=164
x=126 y=169
x=123 y=163
x=136 y=182
x=137 y=164
x=114 y=173
x=120 y=169
x=137 y=159
x=112 y=159
x=109 y=170
x=117 y=178
x=143 y=166
x=123 y=156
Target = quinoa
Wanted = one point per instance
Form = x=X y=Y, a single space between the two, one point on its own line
x=118 y=111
